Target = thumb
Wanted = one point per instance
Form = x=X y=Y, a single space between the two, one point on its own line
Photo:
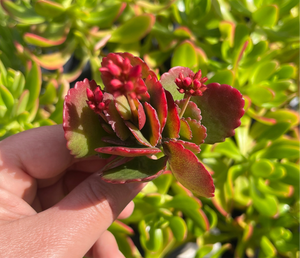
x=72 y=226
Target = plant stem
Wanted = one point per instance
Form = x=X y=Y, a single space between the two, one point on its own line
x=187 y=100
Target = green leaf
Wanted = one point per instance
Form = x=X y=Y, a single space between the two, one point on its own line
x=267 y=247
x=260 y=94
x=33 y=84
x=265 y=204
x=136 y=170
x=22 y=103
x=262 y=168
x=229 y=149
x=266 y=16
x=133 y=30
x=163 y=183
x=22 y=13
x=48 y=9
x=203 y=251
x=7 y=97
x=178 y=227
x=222 y=77
x=263 y=71
x=49 y=95
x=104 y=18
x=182 y=202
x=185 y=55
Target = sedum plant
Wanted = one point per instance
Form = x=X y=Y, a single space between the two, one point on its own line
x=137 y=122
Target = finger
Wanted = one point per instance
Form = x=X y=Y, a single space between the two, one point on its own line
x=127 y=211
x=81 y=217
x=106 y=246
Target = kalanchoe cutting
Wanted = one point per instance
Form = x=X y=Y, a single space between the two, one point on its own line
x=138 y=128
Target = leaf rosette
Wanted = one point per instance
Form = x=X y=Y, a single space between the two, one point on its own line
x=141 y=129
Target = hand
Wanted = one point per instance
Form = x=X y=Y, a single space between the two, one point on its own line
x=52 y=205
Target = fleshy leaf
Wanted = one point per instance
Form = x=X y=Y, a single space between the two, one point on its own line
x=137 y=134
x=141 y=114
x=168 y=80
x=137 y=170
x=41 y=41
x=188 y=170
x=127 y=151
x=172 y=126
x=152 y=127
x=158 y=99
x=191 y=111
x=134 y=29
x=114 y=119
x=83 y=130
x=185 y=130
x=222 y=108
x=198 y=131
x=123 y=107
x=189 y=145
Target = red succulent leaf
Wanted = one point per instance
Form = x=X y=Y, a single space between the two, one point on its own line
x=185 y=130
x=83 y=131
x=140 y=113
x=139 y=169
x=222 y=108
x=128 y=151
x=191 y=110
x=138 y=134
x=172 y=126
x=152 y=127
x=114 y=119
x=189 y=145
x=188 y=170
x=158 y=99
x=198 y=131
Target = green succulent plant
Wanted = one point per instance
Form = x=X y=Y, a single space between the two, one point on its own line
x=251 y=45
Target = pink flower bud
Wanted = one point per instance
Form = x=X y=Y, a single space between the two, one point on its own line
x=187 y=81
x=135 y=72
x=115 y=83
x=90 y=94
x=129 y=86
x=198 y=75
x=114 y=69
x=98 y=94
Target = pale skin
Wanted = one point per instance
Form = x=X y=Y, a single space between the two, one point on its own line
x=52 y=205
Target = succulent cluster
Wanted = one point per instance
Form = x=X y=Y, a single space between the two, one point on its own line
x=145 y=132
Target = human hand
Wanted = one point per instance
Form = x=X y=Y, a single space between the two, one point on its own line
x=52 y=205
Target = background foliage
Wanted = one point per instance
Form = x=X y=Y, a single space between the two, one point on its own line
x=252 y=45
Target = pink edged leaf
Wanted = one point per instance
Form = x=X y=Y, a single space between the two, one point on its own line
x=123 y=107
x=191 y=111
x=141 y=113
x=152 y=127
x=128 y=151
x=158 y=99
x=114 y=119
x=139 y=169
x=83 y=130
x=222 y=108
x=185 y=130
x=43 y=42
x=198 y=131
x=168 y=80
x=138 y=134
x=190 y=146
x=172 y=126
x=188 y=170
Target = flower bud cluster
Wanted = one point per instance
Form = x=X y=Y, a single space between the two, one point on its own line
x=120 y=77
x=95 y=100
x=192 y=85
